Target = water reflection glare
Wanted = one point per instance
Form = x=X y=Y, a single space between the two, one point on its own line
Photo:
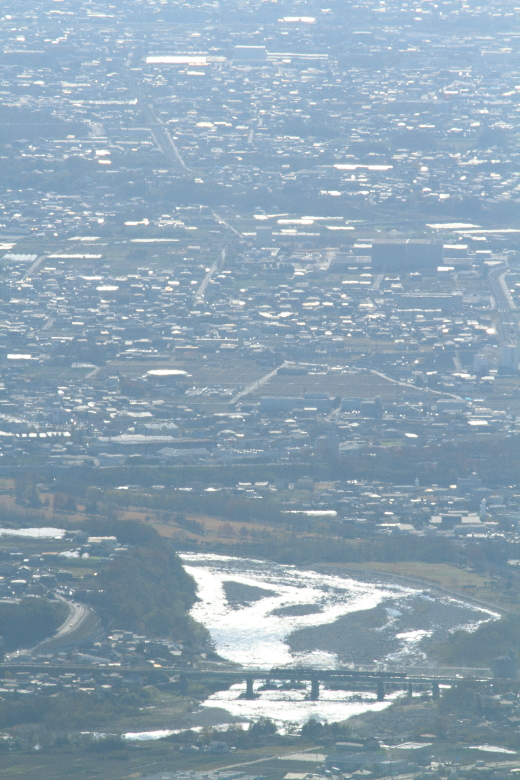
x=251 y=608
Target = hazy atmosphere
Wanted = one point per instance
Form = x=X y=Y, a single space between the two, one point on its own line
x=259 y=390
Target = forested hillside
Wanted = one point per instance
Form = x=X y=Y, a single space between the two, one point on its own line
x=25 y=624
x=147 y=590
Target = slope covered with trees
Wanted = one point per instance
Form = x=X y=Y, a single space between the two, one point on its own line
x=29 y=621
x=147 y=590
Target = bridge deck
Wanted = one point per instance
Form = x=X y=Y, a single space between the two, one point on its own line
x=342 y=676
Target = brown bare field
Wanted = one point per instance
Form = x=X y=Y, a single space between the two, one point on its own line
x=217 y=531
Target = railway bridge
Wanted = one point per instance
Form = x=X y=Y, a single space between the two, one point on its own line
x=380 y=682
x=361 y=679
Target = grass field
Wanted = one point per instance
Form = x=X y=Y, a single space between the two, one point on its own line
x=460 y=581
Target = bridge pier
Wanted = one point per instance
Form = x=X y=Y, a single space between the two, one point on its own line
x=410 y=690
x=435 y=690
x=250 y=693
x=380 y=690
x=183 y=684
x=315 y=689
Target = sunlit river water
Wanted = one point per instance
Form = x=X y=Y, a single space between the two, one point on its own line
x=264 y=615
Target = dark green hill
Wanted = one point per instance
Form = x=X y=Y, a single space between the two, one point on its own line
x=29 y=621
x=147 y=590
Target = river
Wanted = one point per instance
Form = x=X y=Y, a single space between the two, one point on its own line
x=262 y=614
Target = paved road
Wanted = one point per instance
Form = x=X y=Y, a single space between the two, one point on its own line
x=217 y=265
x=33 y=267
x=76 y=617
x=222 y=221
x=507 y=312
x=81 y=623
x=257 y=383
x=377 y=281
x=410 y=386
x=158 y=129
x=499 y=289
x=164 y=140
